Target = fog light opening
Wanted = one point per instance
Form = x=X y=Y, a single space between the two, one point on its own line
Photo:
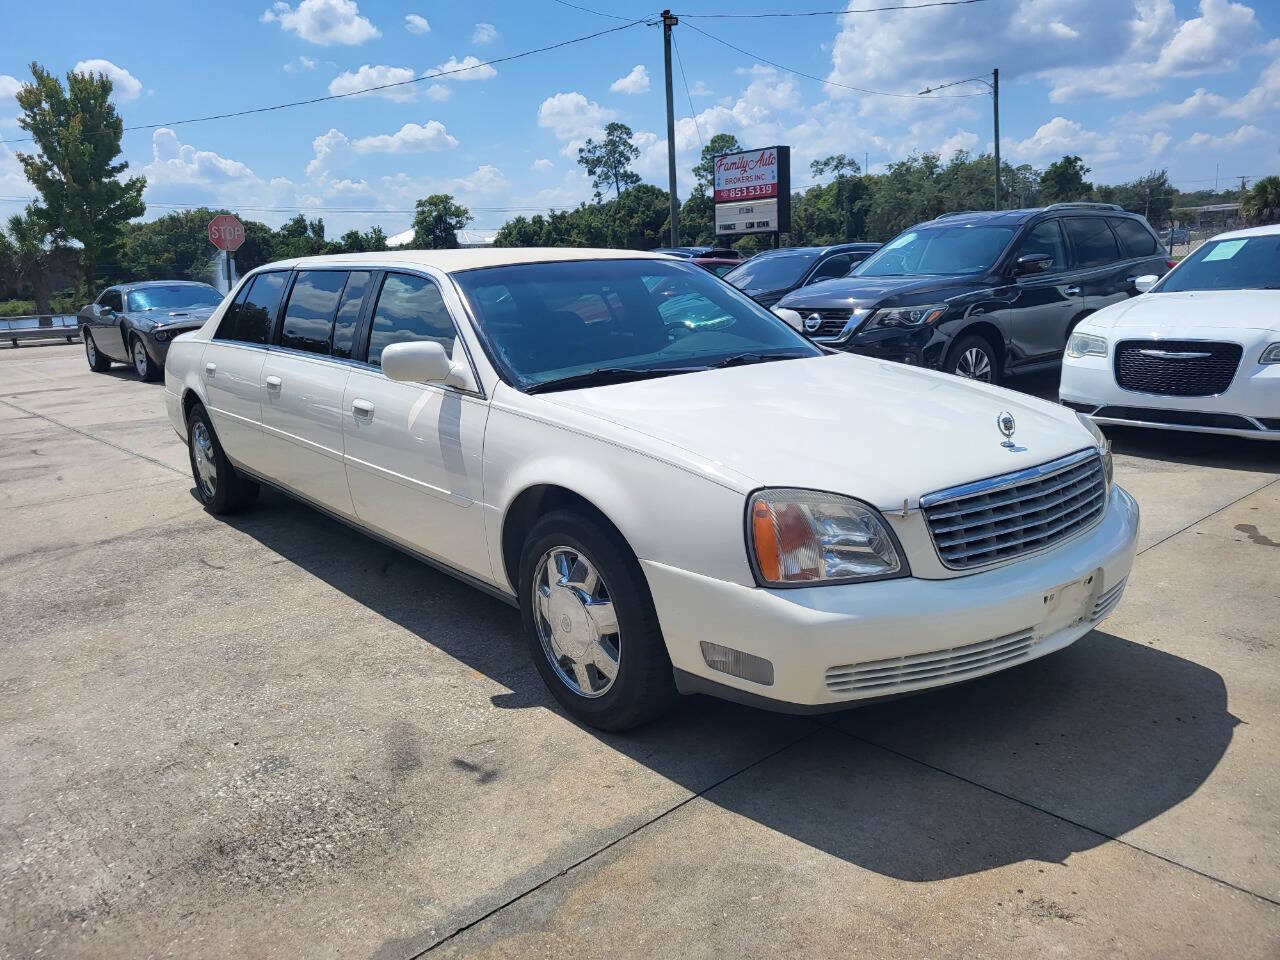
x=736 y=663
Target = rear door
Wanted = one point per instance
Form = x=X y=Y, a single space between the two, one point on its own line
x=1141 y=250
x=1101 y=268
x=303 y=387
x=232 y=371
x=413 y=450
x=1043 y=303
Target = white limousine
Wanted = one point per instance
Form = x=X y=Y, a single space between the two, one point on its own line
x=681 y=493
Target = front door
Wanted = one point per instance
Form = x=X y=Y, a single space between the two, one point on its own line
x=107 y=337
x=413 y=451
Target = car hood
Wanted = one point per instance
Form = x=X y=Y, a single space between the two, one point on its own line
x=873 y=291
x=867 y=428
x=187 y=318
x=1191 y=314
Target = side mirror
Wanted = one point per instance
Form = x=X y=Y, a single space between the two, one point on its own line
x=1030 y=263
x=791 y=318
x=423 y=361
x=1145 y=282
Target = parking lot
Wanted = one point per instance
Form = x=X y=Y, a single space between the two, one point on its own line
x=273 y=737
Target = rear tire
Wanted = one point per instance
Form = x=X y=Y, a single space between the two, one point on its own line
x=221 y=488
x=146 y=368
x=97 y=362
x=974 y=359
x=643 y=684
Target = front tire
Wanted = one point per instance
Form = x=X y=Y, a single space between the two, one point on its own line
x=590 y=624
x=221 y=488
x=143 y=365
x=97 y=362
x=974 y=359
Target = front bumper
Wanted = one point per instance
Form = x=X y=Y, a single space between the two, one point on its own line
x=835 y=645
x=922 y=347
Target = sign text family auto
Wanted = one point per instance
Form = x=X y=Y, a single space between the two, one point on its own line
x=753 y=191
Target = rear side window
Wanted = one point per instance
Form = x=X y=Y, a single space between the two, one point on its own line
x=1135 y=239
x=344 y=327
x=248 y=320
x=1093 y=241
x=313 y=302
x=409 y=309
x=836 y=266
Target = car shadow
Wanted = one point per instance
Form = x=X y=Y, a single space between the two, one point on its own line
x=1035 y=763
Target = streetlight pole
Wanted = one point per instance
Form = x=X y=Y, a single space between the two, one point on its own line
x=669 y=21
x=994 y=86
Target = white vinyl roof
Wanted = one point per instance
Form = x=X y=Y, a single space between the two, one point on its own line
x=470 y=258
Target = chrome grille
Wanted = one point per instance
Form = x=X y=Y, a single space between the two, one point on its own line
x=832 y=323
x=1177 y=368
x=955 y=663
x=1018 y=513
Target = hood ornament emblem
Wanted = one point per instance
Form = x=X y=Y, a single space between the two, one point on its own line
x=812 y=322
x=1007 y=425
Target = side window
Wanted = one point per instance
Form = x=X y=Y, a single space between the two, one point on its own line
x=836 y=266
x=313 y=302
x=1135 y=239
x=248 y=320
x=1046 y=237
x=1094 y=243
x=113 y=300
x=344 y=326
x=409 y=309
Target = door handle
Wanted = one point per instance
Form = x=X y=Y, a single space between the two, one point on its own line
x=362 y=409
x=210 y=369
x=274 y=383
x=1072 y=291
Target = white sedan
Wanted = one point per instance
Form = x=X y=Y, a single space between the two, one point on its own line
x=679 y=492
x=1199 y=351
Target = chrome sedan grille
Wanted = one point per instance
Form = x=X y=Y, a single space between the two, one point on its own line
x=1018 y=513
x=1177 y=368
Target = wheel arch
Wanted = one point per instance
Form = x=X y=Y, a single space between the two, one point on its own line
x=988 y=331
x=533 y=502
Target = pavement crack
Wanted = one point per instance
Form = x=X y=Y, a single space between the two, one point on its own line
x=90 y=436
x=1214 y=513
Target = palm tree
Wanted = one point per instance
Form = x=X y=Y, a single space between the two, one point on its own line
x=1262 y=203
x=29 y=254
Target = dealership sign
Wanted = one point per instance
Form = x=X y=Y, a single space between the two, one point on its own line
x=753 y=191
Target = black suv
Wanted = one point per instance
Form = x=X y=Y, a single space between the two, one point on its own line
x=770 y=275
x=983 y=294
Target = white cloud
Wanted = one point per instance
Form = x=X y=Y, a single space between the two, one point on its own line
x=9 y=87
x=1199 y=103
x=571 y=116
x=331 y=149
x=484 y=33
x=473 y=68
x=1263 y=98
x=637 y=81
x=960 y=140
x=174 y=162
x=700 y=89
x=484 y=179
x=1237 y=138
x=411 y=138
x=375 y=76
x=1209 y=43
x=542 y=163
x=1057 y=137
x=324 y=22
x=302 y=63
x=125 y=85
x=416 y=24
x=437 y=92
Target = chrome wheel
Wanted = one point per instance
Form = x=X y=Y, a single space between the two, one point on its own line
x=90 y=350
x=974 y=364
x=576 y=622
x=203 y=460
x=139 y=358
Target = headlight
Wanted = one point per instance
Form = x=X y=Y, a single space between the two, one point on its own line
x=160 y=334
x=806 y=537
x=909 y=317
x=1271 y=354
x=1104 y=448
x=1086 y=345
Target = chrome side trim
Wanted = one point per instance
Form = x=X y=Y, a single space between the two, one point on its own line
x=992 y=484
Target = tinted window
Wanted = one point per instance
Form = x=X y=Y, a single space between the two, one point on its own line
x=409 y=309
x=837 y=266
x=1093 y=240
x=1135 y=239
x=112 y=299
x=1246 y=263
x=249 y=319
x=179 y=296
x=308 y=319
x=344 y=327
x=1046 y=238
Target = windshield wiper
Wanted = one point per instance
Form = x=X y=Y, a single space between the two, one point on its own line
x=603 y=376
x=741 y=359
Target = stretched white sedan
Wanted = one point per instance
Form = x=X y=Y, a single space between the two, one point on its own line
x=679 y=492
x=1199 y=351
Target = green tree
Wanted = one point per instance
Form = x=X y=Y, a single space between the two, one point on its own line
x=704 y=171
x=844 y=168
x=27 y=252
x=1064 y=181
x=608 y=162
x=77 y=135
x=1262 y=203
x=372 y=240
x=437 y=222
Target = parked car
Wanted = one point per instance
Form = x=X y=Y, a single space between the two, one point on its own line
x=717 y=265
x=770 y=275
x=689 y=253
x=665 y=505
x=1199 y=351
x=135 y=323
x=984 y=294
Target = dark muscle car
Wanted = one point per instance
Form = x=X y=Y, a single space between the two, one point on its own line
x=134 y=323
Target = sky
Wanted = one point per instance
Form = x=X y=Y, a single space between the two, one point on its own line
x=1129 y=85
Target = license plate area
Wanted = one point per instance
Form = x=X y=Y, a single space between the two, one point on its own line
x=1070 y=604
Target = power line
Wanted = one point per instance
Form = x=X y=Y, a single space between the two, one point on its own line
x=830 y=83
x=355 y=93
x=598 y=13
x=693 y=114
x=818 y=13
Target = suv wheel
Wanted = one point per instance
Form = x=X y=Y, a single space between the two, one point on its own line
x=973 y=357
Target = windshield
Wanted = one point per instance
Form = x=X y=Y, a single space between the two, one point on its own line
x=180 y=296
x=548 y=321
x=772 y=271
x=1248 y=263
x=935 y=251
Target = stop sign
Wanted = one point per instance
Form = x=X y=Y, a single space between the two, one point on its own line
x=226 y=232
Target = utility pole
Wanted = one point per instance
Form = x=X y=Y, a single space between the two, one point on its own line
x=669 y=21
x=995 y=104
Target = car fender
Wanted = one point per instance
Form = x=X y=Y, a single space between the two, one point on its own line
x=182 y=380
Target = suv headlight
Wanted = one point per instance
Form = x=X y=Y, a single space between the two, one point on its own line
x=1271 y=354
x=1086 y=345
x=908 y=317
x=1104 y=448
x=802 y=538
